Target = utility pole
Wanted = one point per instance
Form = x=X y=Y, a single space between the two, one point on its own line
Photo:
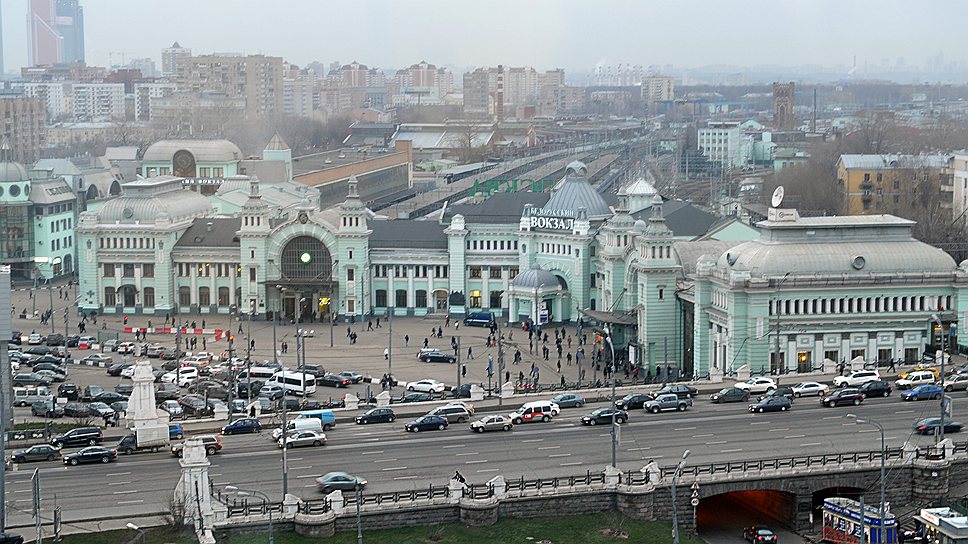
x=231 y=353
x=35 y=485
x=614 y=433
x=937 y=319
x=389 y=349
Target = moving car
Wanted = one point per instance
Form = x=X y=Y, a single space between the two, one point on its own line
x=568 y=400
x=175 y=431
x=351 y=376
x=78 y=436
x=809 y=389
x=632 y=401
x=876 y=388
x=492 y=423
x=479 y=319
x=303 y=438
x=376 y=415
x=772 y=404
x=730 y=394
x=930 y=426
x=757 y=385
x=244 y=425
x=437 y=357
x=604 y=416
x=91 y=454
x=426 y=386
x=844 y=395
x=339 y=481
x=915 y=379
x=668 y=401
x=856 y=378
x=454 y=413
x=211 y=442
x=40 y=452
x=759 y=534
x=781 y=391
x=427 y=423
x=958 y=382
x=680 y=390
x=923 y=392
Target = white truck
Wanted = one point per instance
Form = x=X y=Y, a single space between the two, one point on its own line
x=143 y=439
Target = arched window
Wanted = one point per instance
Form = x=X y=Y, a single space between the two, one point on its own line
x=184 y=296
x=204 y=296
x=109 y=298
x=306 y=257
x=148 y=297
x=223 y=296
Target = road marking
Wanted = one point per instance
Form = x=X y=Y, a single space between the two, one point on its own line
x=731 y=451
x=778 y=430
x=891 y=438
x=467 y=453
x=867 y=430
x=384 y=460
x=796 y=436
x=560 y=455
x=124 y=492
x=301 y=468
x=811 y=444
x=393 y=468
x=475 y=462
x=533 y=440
x=759 y=423
x=904 y=412
x=118 y=474
x=455 y=446
x=833 y=417
x=548 y=448
x=606 y=434
x=118 y=483
x=373 y=452
x=215 y=475
x=301 y=476
x=489 y=470
x=685 y=429
x=640 y=449
x=405 y=478
x=310 y=485
x=372 y=440
x=715 y=442
x=131 y=502
x=571 y=464
x=23 y=491
x=703 y=435
x=292 y=459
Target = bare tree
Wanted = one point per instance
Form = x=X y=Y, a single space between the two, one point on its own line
x=466 y=139
x=812 y=187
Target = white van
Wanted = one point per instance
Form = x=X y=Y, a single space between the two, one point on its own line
x=298 y=383
x=263 y=373
x=25 y=396
x=298 y=425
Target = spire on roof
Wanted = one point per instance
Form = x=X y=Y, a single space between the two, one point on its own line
x=5 y=151
x=351 y=191
x=276 y=143
x=657 y=226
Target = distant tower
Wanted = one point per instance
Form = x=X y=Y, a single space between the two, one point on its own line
x=56 y=31
x=171 y=57
x=1 y=43
x=499 y=98
x=783 y=106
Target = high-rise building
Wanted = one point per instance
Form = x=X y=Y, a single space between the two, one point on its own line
x=657 y=88
x=56 y=32
x=783 y=106
x=25 y=128
x=476 y=96
x=1 y=43
x=256 y=78
x=171 y=56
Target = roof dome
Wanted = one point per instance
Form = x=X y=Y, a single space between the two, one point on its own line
x=206 y=151
x=150 y=199
x=535 y=278
x=640 y=187
x=577 y=168
x=575 y=192
x=13 y=171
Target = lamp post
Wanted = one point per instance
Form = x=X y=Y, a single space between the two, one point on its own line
x=261 y=495
x=675 y=513
x=880 y=514
x=141 y=533
x=359 y=514
x=776 y=312
x=937 y=319
x=614 y=433
x=231 y=353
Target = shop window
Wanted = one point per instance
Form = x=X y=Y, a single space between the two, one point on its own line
x=475 y=299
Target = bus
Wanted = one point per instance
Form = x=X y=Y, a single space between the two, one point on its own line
x=298 y=383
x=842 y=523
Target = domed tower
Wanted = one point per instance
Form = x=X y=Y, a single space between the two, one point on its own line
x=656 y=268
x=352 y=270
x=253 y=239
x=14 y=180
x=278 y=150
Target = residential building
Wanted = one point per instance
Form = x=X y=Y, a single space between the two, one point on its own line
x=658 y=88
x=957 y=176
x=25 y=126
x=256 y=78
x=299 y=96
x=725 y=142
x=145 y=65
x=172 y=57
x=57 y=96
x=145 y=95
x=878 y=183
x=562 y=100
x=96 y=102
x=56 y=29
x=196 y=113
x=477 y=96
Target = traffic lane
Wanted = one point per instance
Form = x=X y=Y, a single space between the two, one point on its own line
x=721 y=520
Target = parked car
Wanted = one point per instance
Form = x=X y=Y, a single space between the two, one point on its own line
x=930 y=426
x=772 y=404
x=244 y=425
x=117 y=368
x=48 y=409
x=212 y=443
x=759 y=534
x=376 y=415
x=101 y=409
x=272 y=391
x=876 y=388
x=31 y=379
x=680 y=390
x=76 y=409
x=173 y=408
x=412 y=397
x=668 y=401
x=492 y=423
x=106 y=397
x=427 y=423
x=844 y=395
x=437 y=357
x=604 y=416
x=167 y=391
x=40 y=452
x=98 y=358
x=91 y=454
x=569 y=400
x=303 y=438
x=55 y=340
x=35 y=339
x=809 y=389
x=333 y=380
x=632 y=401
x=51 y=375
x=730 y=394
x=339 y=481
x=426 y=386
x=757 y=385
x=78 y=436
x=856 y=378
x=923 y=392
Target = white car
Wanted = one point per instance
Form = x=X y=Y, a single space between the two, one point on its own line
x=426 y=386
x=34 y=339
x=757 y=385
x=128 y=372
x=302 y=438
x=807 y=389
x=184 y=377
x=914 y=379
x=98 y=358
x=14 y=365
x=857 y=377
x=173 y=408
x=126 y=347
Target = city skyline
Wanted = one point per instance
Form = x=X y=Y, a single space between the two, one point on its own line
x=572 y=35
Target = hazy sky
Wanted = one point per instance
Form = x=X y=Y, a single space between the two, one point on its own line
x=546 y=34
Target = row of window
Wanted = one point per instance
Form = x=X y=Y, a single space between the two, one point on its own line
x=62 y=224
x=126 y=243
x=51 y=210
x=914 y=177
x=128 y=296
x=493 y=272
x=861 y=305
x=205 y=270
x=498 y=245
x=127 y=270
x=555 y=249
x=403 y=270
x=62 y=243
x=420 y=299
x=205 y=296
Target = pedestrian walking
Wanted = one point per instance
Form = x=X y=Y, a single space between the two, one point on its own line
x=568 y=359
x=378 y=323
x=406 y=341
x=386 y=354
x=507 y=376
x=203 y=323
x=562 y=381
x=369 y=325
x=463 y=371
x=426 y=342
x=891 y=367
x=447 y=321
x=125 y=320
x=456 y=325
x=240 y=328
x=470 y=352
x=559 y=366
x=348 y=331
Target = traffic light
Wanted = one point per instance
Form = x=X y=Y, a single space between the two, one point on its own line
x=231 y=338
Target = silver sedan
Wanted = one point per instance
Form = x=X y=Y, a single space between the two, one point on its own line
x=303 y=438
x=809 y=389
x=492 y=423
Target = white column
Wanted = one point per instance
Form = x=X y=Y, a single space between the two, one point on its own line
x=232 y=286
x=485 y=287
x=410 y=294
x=194 y=282
x=391 y=294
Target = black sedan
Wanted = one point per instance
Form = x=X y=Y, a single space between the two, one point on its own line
x=427 y=423
x=116 y=369
x=40 y=452
x=930 y=426
x=633 y=401
x=333 y=380
x=779 y=392
x=412 y=397
x=759 y=534
x=351 y=376
x=107 y=397
x=376 y=415
x=771 y=404
x=603 y=416
x=730 y=394
x=437 y=357
x=50 y=360
x=681 y=391
x=842 y=396
x=91 y=454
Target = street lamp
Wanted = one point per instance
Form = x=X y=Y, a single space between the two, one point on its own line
x=614 y=433
x=141 y=533
x=937 y=319
x=867 y=421
x=250 y=493
x=675 y=510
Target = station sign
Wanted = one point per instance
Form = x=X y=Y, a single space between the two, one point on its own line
x=550 y=219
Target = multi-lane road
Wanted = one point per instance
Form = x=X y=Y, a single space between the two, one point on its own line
x=392 y=459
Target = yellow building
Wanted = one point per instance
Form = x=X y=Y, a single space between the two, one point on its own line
x=874 y=184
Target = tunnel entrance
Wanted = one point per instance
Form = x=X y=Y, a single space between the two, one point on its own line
x=722 y=518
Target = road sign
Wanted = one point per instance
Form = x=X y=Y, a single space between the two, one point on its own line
x=694 y=501
x=695 y=486
x=947 y=406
